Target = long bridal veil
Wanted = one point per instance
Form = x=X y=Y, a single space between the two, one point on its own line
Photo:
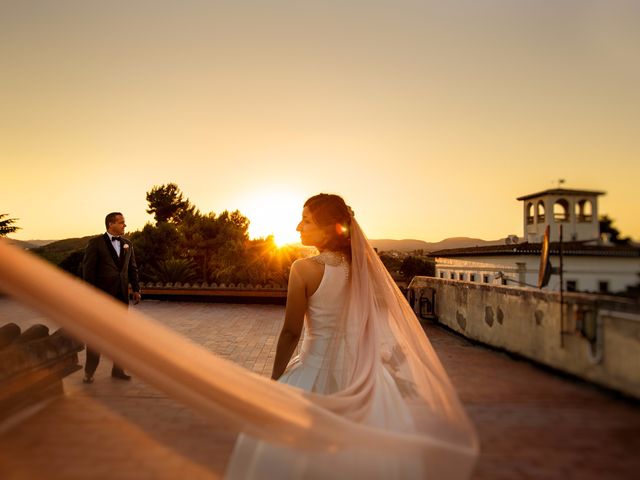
x=391 y=391
x=386 y=375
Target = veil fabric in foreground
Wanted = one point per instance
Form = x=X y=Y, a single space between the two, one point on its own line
x=381 y=351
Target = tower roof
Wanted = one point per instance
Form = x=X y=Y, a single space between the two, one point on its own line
x=561 y=191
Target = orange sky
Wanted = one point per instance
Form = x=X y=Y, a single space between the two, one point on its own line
x=430 y=118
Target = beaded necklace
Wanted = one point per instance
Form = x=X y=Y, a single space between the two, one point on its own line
x=334 y=259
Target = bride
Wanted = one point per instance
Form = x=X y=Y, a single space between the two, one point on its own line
x=364 y=356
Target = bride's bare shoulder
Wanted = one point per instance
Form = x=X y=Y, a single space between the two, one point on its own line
x=308 y=268
x=309 y=272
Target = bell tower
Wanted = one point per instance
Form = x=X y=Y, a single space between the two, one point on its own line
x=575 y=210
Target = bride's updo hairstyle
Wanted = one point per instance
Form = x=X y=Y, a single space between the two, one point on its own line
x=334 y=216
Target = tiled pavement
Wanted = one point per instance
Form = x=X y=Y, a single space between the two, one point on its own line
x=532 y=423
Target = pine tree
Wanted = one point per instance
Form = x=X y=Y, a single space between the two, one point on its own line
x=7 y=225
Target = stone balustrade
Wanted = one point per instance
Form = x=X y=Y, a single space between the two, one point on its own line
x=205 y=285
x=269 y=293
x=32 y=365
x=594 y=337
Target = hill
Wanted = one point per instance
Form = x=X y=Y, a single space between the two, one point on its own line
x=29 y=244
x=411 y=245
x=57 y=251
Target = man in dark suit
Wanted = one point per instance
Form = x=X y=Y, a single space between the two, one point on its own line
x=110 y=265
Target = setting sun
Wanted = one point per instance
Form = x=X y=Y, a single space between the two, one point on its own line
x=273 y=213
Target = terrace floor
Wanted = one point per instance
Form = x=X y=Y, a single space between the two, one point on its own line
x=532 y=423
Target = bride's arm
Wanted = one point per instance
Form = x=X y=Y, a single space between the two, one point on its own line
x=293 y=320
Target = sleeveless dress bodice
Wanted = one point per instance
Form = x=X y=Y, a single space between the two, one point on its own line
x=320 y=324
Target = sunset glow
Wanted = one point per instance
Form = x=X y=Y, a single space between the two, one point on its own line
x=430 y=118
x=273 y=213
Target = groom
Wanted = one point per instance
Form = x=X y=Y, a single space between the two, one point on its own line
x=110 y=265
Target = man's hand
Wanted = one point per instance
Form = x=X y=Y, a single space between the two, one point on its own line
x=136 y=297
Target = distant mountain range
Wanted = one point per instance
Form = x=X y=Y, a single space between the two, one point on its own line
x=30 y=244
x=53 y=250
x=61 y=247
x=453 y=242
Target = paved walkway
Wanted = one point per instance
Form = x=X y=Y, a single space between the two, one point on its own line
x=532 y=423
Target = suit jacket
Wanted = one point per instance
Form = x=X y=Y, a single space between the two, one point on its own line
x=102 y=267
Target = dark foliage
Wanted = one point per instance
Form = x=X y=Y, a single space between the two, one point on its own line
x=167 y=204
x=392 y=263
x=7 y=225
x=606 y=227
x=412 y=266
x=72 y=263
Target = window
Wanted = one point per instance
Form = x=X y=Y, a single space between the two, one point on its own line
x=572 y=286
x=452 y=276
x=540 y=211
x=584 y=211
x=485 y=278
x=561 y=210
x=504 y=280
x=603 y=287
x=426 y=307
x=472 y=277
x=529 y=213
x=461 y=276
x=441 y=274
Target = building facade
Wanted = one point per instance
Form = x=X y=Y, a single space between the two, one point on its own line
x=589 y=263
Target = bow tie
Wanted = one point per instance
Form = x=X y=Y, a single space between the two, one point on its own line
x=116 y=239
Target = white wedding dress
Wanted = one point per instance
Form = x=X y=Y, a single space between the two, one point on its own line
x=312 y=372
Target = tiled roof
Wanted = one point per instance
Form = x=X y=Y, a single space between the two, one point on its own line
x=568 y=248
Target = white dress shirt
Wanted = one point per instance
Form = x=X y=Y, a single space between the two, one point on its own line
x=117 y=245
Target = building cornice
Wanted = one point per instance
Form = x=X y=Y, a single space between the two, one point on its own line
x=568 y=248
x=562 y=192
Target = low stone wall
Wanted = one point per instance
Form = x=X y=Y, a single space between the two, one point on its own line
x=204 y=292
x=32 y=365
x=594 y=337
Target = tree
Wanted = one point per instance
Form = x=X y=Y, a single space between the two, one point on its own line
x=606 y=227
x=7 y=226
x=392 y=263
x=167 y=204
x=175 y=270
x=153 y=245
x=214 y=242
x=412 y=266
x=259 y=261
x=216 y=248
x=72 y=263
